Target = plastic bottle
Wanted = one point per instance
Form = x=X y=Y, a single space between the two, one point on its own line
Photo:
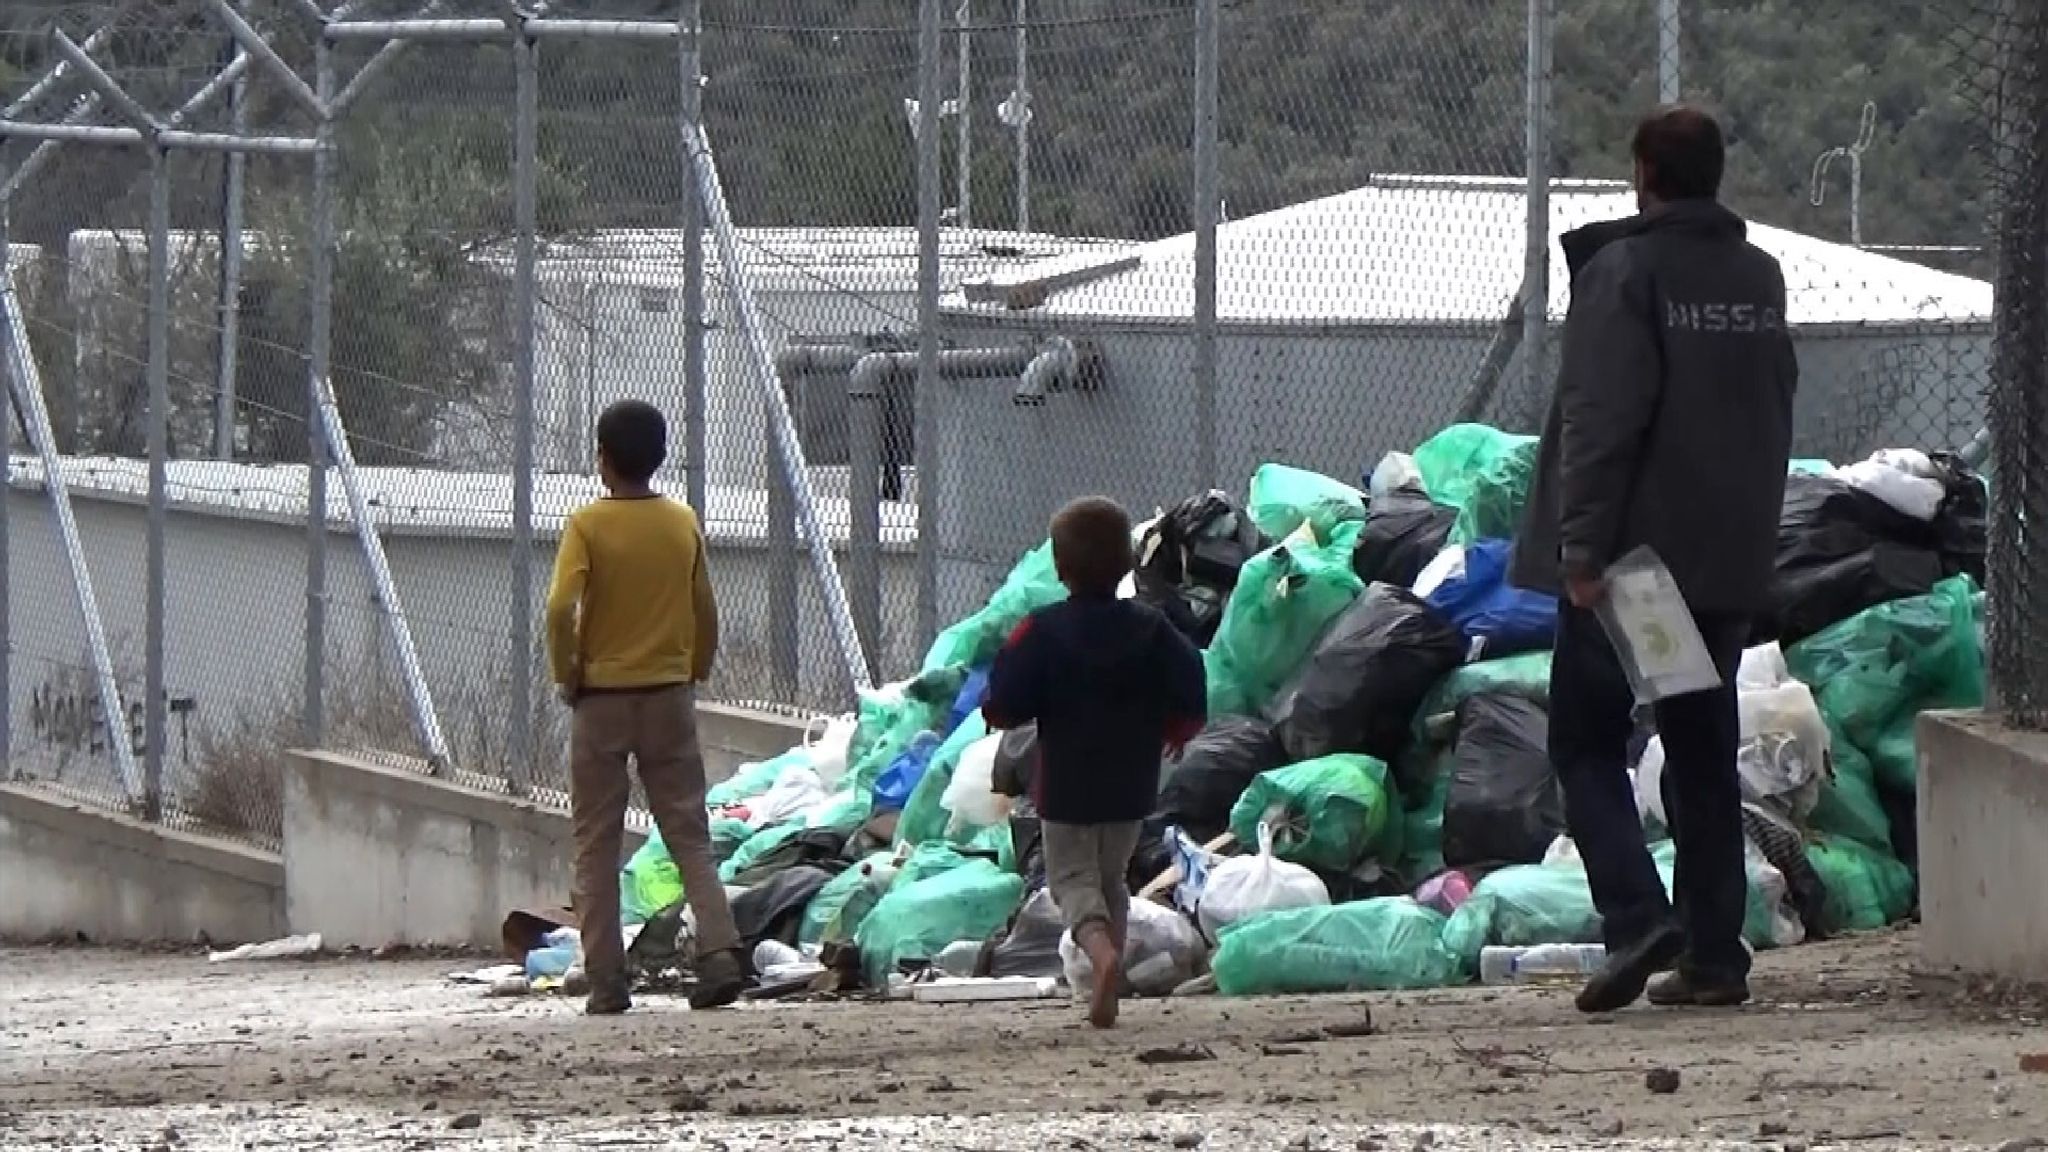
x=1540 y=963
x=960 y=958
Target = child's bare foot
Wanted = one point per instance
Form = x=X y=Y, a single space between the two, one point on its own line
x=1108 y=965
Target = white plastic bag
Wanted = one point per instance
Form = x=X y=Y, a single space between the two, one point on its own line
x=1448 y=565
x=1782 y=759
x=795 y=792
x=827 y=751
x=1787 y=930
x=1128 y=589
x=1763 y=667
x=971 y=796
x=1245 y=886
x=1653 y=631
x=1162 y=952
x=1195 y=863
x=1395 y=471
x=1915 y=496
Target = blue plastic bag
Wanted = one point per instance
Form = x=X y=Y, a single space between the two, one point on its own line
x=972 y=694
x=1501 y=618
x=899 y=779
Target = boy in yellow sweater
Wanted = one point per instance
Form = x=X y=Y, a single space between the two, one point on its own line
x=632 y=628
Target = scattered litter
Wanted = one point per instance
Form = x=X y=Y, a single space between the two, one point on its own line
x=972 y=990
x=285 y=949
x=1178 y=1054
x=1661 y=1081
x=489 y=976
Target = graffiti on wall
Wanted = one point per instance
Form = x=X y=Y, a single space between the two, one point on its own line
x=73 y=720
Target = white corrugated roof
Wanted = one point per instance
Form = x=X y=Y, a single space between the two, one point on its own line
x=413 y=501
x=1440 y=250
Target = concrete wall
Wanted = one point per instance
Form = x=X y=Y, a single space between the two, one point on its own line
x=69 y=871
x=376 y=855
x=1983 y=812
x=234 y=637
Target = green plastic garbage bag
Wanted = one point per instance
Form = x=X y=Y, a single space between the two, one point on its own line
x=1849 y=806
x=925 y=816
x=915 y=920
x=1867 y=888
x=932 y=858
x=891 y=726
x=1524 y=905
x=1527 y=674
x=834 y=915
x=1285 y=599
x=1284 y=498
x=1422 y=828
x=649 y=882
x=727 y=834
x=754 y=779
x=973 y=642
x=849 y=809
x=1873 y=673
x=1482 y=472
x=758 y=845
x=1371 y=945
x=1329 y=814
x=1757 y=916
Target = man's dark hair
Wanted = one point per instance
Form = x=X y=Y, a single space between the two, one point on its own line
x=1682 y=153
x=633 y=436
x=1091 y=545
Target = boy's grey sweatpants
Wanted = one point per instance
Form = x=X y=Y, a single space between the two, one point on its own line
x=1086 y=867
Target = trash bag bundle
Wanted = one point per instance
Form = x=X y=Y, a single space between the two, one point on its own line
x=1246 y=887
x=1373 y=945
x=1360 y=687
x=835 y=912
x=1285 y=498
x=1422 y=821
x=1503 y=803
x=1495 y=617
x=1866 y=889
x=1404 y=530
x=1162 y=952
x=1285 y=599
x=919 y=917
x=925 y=816
x=1524 y=905
x=1482 y=472
x=1188 y=562
x=1842 y=549
x=1435 y=726
x=1783 y=755
x=1331 y=814
x=1031 y=947
x=894 y=718
x=1871 y=676
x=774 y=909
x=1213 y=771
x=974 y=642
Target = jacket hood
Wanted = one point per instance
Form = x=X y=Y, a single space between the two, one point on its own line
x=1698 y=217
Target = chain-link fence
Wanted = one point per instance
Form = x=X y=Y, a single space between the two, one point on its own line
x=962 y=260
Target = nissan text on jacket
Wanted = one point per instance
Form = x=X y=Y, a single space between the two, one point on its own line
x=1672 y=423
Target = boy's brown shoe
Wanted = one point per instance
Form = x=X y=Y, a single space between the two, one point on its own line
x=719 y=981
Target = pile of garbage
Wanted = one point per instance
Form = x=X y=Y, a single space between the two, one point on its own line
x=1371 y=805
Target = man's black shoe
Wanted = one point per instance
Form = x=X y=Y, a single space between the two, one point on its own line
x=1678 y=990
x=1620 y=982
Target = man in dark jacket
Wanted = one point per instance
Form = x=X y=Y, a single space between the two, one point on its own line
x=1672 y=430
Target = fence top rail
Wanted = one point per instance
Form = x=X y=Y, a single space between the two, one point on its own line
x=171 y=138
x=486 y=29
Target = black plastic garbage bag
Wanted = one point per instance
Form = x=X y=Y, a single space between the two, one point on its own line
x=1962 y=525
x=1032 y=946
x=1504 y=805
x=1188 y=561
x=1360 y=688
x=774 y=908
x=1016 y=761
x=1842 y=550
x=1213 y=771
x=1404 y=530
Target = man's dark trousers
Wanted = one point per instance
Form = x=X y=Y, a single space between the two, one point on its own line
x=1591 y=719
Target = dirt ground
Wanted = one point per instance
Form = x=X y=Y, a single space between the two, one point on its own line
x=1848 y=1048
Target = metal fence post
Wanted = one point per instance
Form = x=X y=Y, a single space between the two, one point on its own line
x=926 y=398
x=158 y=436
x=319 y=341
x=1020 y=115
x=1536 y=271
x=6 y=506
x=965 y=113
x=695 y=397
x=1670 y=20
x=234 y=184
x=1208 y=210
x=865 y=407
x=526 y=147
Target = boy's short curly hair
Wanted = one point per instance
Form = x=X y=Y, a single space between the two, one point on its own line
x=1091 y=545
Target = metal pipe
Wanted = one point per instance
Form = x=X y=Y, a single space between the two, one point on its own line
x=927 y=397
x=965 y=160
x=1484 y=384
x=319 y=343
x=536 y=28
x=1669 y=22
x=228 y=80
x=55 y=76
x=108 y=88
x=864 y=413
x=1536 y=257
x=1022 y=115
x=6 y=508
x=1208 y=214
x=234 y=181
x=784 y=650
x=696 y=396
x=157 y=424
x=525 y=174
x=789 y=452
x=169 y=138
x=255 y=45
x=27 y=385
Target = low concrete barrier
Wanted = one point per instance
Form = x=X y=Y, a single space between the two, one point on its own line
x=1983 y=814
x=68 y=870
